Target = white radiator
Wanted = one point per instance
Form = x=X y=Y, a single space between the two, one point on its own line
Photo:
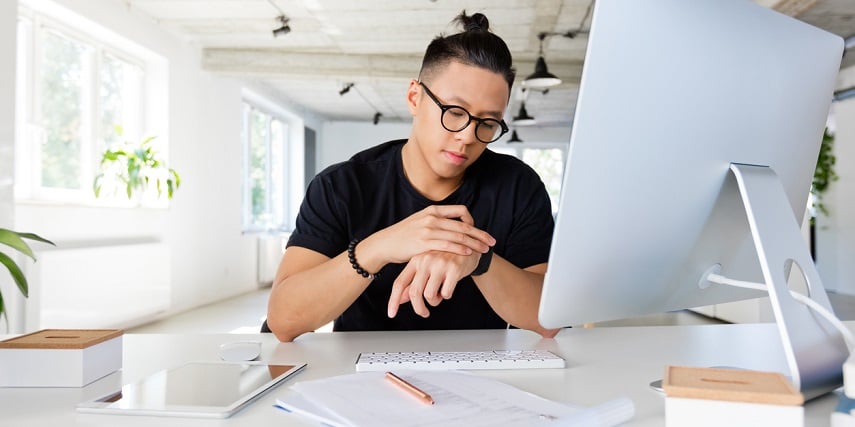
x=270 y=250
x=98 y=286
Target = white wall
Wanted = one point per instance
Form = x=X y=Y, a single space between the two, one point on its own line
x=835 y=243
x=341 y=139
x=211 y=259
x=8 y=12
x=7 y=110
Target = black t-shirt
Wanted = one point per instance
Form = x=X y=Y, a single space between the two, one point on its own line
x=369 y=192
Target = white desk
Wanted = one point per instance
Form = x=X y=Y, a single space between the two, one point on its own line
x=602 y=364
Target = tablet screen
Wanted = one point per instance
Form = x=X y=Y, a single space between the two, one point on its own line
x=214 y=389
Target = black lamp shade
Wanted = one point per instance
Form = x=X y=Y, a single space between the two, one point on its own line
x=514 y=137
x=522 y=118
x=541 y=77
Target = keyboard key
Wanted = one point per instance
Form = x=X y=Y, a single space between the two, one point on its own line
x=446 y=360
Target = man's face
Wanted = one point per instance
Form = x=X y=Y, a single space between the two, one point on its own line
x=482 y=93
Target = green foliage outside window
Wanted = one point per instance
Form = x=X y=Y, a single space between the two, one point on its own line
x=824 y=174
x=62 y=103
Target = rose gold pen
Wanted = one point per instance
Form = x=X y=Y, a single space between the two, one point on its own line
x=415 y=391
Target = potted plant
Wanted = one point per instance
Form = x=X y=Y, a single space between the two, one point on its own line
x=133 y=166
x=824 y=174
x=15 y=240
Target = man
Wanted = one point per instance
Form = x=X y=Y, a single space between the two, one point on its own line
x=432 y=232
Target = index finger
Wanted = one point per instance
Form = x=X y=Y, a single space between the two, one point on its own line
x=453 y=211
x=469 y=230
x=397 y=297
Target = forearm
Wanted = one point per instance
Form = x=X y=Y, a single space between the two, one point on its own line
x=514 y=294
x=305 y=300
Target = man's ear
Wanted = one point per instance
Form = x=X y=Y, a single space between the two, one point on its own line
x=413 y=93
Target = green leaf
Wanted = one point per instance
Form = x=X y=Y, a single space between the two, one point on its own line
x=169 y=189
x=96 y=185
x=16 y=273
x=3 y=312
x=13 y=240
x=36 y=237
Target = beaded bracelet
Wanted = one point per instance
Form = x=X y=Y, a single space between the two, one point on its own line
x=351 y=256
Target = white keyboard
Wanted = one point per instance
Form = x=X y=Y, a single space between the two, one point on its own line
x=442 y=360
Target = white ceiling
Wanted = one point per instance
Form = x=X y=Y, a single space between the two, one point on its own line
x=378 y=45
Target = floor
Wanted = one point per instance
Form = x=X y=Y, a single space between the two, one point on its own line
x=238 y=315
x=245 y=313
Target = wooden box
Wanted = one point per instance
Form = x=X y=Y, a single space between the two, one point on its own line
x=730 y=397
x=60 y=357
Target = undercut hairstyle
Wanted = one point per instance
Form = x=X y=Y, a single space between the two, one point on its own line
x=474 y=46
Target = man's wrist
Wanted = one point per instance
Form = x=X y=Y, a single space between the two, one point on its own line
x=354 y=263
x=483 y=263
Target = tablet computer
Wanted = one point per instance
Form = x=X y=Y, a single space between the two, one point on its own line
x=195 y=389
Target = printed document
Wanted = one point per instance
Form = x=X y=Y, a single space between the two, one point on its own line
x=461 y=399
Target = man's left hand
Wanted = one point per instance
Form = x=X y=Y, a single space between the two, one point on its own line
x=432 y=277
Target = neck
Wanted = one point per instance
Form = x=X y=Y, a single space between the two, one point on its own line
x=423 y=178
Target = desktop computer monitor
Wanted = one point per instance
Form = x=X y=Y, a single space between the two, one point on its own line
x=694 y=143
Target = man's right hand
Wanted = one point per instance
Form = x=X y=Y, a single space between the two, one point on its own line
x=446 y=228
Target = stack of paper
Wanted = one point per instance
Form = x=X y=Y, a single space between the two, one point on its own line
x=369 y=399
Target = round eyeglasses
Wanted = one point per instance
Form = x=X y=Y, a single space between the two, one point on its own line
x=455 y=118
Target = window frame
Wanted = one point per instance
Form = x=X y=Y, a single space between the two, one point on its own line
x=518 y=149
x=30 y=131
x=281 y=217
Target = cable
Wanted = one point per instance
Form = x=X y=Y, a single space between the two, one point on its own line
x=587 y=15
x=822 y=311
x=277 y=7
x=377 y=112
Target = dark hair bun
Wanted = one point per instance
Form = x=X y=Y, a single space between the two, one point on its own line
x=476 y=22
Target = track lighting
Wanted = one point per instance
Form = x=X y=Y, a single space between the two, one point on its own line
x=351 y=85
x=345 y=89
x=284 y=28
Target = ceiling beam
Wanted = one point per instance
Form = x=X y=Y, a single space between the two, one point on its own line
x=284 y=64
x=792 y=8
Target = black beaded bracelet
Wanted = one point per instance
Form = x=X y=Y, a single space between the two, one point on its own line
x=351 y=256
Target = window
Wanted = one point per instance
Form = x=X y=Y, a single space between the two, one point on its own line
x=74 y=93
x=547 y=160
x=265 y=185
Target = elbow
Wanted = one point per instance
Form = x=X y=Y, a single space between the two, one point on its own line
x=285 y=330
x=547 y=333
x=284 y=336
x=282 y=332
